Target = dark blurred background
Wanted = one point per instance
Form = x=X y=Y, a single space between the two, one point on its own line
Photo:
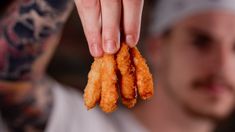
x=71 y=61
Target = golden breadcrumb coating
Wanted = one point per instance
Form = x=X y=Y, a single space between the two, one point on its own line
x=103 y=81
x=127 y=83
x=109 y=93
x=93 y=88
x=143 y=75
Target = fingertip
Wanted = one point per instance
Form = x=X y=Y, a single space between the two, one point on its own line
x=110 y=46
x=97 y=55
x=96 y=50
x=131 y=40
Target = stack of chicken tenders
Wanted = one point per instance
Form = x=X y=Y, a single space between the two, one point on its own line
x=126 y=73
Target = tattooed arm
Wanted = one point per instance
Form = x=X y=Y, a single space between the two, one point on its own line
x=26 y=30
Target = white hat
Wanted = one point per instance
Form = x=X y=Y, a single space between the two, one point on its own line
x=168 y=12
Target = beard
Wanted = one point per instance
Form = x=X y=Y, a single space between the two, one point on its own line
x=194 y=111
x=197 y=114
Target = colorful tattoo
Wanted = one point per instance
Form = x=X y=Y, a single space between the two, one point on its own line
x=23 y=31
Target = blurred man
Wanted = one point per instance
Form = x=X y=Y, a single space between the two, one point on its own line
x=192 y=50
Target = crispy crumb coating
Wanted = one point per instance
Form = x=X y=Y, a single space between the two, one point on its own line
x=127 y=83
x=143 y=75
x=93 y=88
x=109 y=93
x=103 y=80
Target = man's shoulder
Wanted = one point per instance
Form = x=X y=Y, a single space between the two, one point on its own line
x=70 y=114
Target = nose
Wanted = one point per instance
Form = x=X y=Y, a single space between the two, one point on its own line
x=222 y=60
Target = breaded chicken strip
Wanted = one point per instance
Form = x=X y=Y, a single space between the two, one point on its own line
x=127 y=83
x=93 y=88
x=143 y=75
x=109 y=93
x=103 y=81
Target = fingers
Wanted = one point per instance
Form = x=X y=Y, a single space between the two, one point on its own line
x=143 y=75
x=127 y=84
x=90 y=15
x=111 y=15
x=132 y=12
x=101 y=20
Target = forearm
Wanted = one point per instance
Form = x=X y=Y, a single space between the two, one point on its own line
x=25 y=30
x=23 y=33
x=27 y=104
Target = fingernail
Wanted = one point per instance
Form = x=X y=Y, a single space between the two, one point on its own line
x=97 y=50
x=130 y=40
x=110 y=46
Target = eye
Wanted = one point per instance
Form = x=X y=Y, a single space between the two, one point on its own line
x=202 y=41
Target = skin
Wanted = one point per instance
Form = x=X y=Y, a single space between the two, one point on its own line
x=29 y=33
x=103 y=31
x=194 y=68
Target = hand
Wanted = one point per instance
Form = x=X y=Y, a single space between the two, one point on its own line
x=104 y=20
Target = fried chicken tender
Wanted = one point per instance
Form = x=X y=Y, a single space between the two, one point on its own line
x=127 y=83
x=103 y=82
x=92 y=91
x=143 y=75
x=109 y=93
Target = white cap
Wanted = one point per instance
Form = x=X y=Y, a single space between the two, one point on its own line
x=168 y=12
